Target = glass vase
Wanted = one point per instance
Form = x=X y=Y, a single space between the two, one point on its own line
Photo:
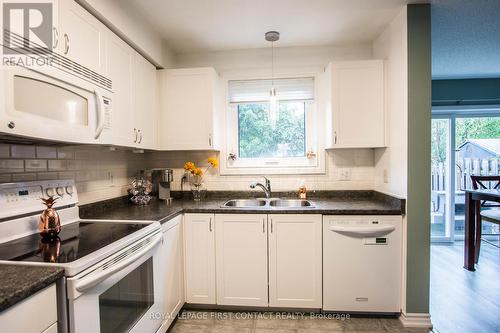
x=196 y=190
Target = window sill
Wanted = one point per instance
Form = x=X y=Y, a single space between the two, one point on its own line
x=276 y=170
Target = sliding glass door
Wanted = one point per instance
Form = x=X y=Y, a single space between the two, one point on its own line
x=464 y=143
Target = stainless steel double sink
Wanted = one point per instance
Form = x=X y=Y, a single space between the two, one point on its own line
x=268 y=203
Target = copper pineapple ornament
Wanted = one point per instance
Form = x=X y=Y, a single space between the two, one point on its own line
x=49 y=224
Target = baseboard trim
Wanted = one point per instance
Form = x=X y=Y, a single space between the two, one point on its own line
x=416 y=320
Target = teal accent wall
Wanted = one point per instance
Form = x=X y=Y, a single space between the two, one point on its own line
x=419 y=158
x=466 y=92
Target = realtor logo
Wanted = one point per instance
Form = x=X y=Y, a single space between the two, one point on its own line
x=27 y=27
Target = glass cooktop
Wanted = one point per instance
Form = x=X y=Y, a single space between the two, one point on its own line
x=75 y=241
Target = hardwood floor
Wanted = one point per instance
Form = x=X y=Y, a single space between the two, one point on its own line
x=463 y=301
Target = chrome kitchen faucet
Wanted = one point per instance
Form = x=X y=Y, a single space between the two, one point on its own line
x=266 y=188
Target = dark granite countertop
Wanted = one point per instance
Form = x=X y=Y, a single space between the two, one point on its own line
x=326 y=203
x=18 y=282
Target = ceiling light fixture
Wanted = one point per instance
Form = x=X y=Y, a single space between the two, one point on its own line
x=272 y=36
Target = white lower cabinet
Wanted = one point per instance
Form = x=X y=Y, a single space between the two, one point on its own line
x=173 y=270
x=295 y=262
x=269 y=260
x=241 y=259
x=36 y=314
x=199 y=258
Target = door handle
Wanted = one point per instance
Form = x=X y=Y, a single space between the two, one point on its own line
x=56 y=38
x=100 y=114
x=66 y=43
x=372 y=231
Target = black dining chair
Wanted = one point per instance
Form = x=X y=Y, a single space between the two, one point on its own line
x=485 y=211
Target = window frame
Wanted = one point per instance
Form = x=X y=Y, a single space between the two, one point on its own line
x=278 y=165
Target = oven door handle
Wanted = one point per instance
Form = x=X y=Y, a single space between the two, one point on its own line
x=93 y=279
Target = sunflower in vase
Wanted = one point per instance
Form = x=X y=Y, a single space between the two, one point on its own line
x=195 y=175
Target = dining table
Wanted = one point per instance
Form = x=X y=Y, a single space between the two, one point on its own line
x=472 y=196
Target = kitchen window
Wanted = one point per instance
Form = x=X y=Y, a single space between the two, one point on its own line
x=272 y=126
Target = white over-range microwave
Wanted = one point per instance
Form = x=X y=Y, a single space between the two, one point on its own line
x=62 y=102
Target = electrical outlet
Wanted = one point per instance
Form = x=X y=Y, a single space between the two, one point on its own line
x=386 y=176
x=345 y=174
x=111 y=181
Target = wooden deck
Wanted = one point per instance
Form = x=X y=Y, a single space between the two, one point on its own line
x=463 y=301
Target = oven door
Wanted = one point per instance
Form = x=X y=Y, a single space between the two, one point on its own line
x=50 y=104
x=122 y=294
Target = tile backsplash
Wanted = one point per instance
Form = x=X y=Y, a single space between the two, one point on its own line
x=358 y=162
x=99 y=172
x=102 y=173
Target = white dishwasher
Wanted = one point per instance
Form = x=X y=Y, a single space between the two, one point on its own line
x=362 y=263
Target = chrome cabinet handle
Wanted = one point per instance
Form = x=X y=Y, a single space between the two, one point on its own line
x=56 y=37
x=210 y=225
x=271 y=225
x=140 y=136
x=11 y=124
x=66 y=43
x=335 y=137
x=135 y=133
x=210 y=140
x=264 y=226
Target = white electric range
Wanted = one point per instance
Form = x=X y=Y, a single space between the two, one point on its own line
x=112 y=278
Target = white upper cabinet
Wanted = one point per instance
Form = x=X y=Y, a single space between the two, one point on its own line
x=188 y=112
x=295 y=264
x=199 y=258
x=241 y=259
x=357 y=104
x=81 y=37
x=135 y=98
x=146 y=103
x=121 y=60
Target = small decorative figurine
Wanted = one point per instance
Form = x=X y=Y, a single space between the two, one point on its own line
x=140 y=188
x=49 y=224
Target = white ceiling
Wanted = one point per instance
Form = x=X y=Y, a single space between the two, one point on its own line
x=215 y=25
x=465 y=38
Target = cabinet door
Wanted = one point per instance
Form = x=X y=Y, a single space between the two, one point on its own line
x=358 y=104
x=199 y=258
x=187 y=110
x=295 y=262
x=241 y=259
x=121 y=71
x=82 y=37
x=146 y=106
x=174 y=269
x=42 y=309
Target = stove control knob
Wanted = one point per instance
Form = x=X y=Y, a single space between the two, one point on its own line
x=50 y=191
x=69 y=190
x=60 y=191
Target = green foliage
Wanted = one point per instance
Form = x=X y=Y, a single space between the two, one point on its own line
x=439 y=140
x=261 y=136
x=477 y=128
x=466 y=128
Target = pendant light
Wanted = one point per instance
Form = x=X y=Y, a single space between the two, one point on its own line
x=272 y=36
